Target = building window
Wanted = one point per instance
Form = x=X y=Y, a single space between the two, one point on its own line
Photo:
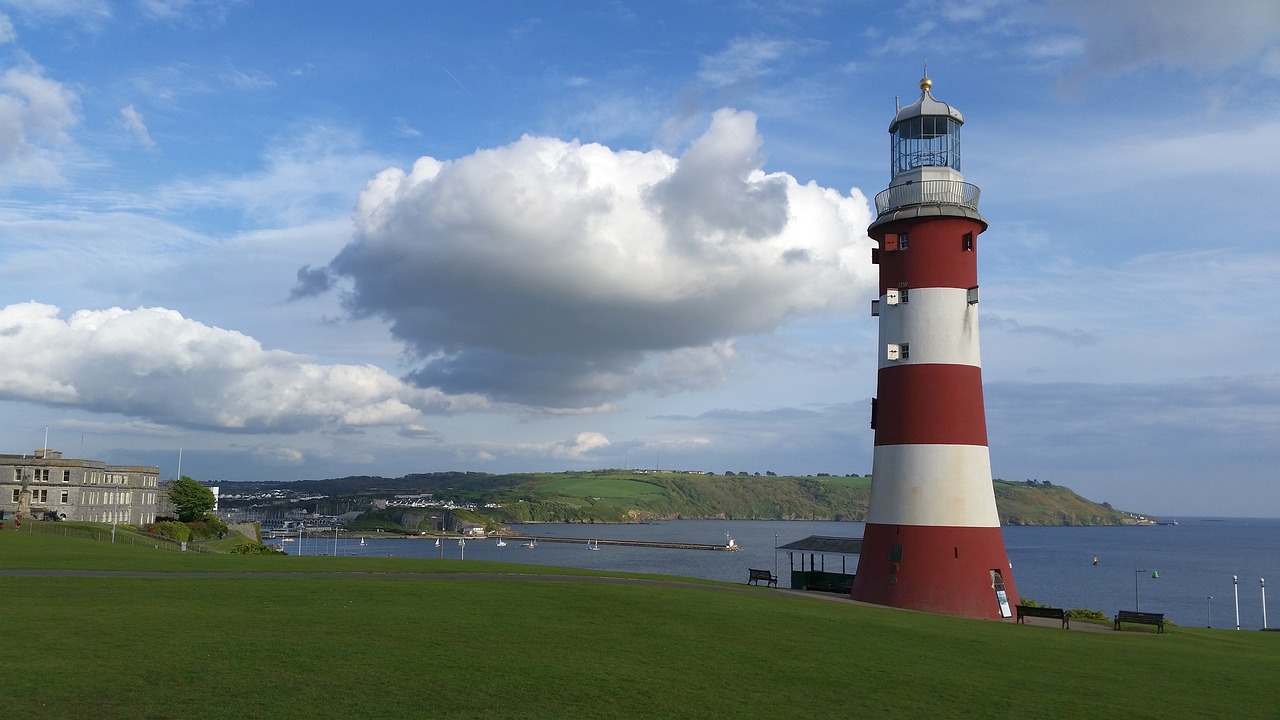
x=66 y=497
x=967 y=242
x=875 y=308
x=902 y=241
x=42 y=475
x=15 y=494
x=903 y=295
x=66 y=476
x=898 y=351
x=972 y=295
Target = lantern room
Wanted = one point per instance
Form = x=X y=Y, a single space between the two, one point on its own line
x=925 y=134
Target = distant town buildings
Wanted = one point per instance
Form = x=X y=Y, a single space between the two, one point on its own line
x=45 y=484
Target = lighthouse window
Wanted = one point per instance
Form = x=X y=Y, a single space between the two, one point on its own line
x=875 y=308
x=903 y=295
x=926 y=141
x=968 y=242
x=902 y=241
x=906 y=351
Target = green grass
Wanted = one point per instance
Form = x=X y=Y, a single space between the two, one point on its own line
x=603 y=487
x=857 y=483
x=399 y=646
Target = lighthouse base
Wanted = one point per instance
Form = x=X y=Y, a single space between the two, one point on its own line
x=949 y=570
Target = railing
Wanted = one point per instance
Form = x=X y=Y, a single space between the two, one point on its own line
x=928 y=192
x=105 y=535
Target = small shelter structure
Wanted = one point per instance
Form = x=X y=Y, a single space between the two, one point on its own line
x=817 y=576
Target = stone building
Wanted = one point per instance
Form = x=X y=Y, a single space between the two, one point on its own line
x=86 y=490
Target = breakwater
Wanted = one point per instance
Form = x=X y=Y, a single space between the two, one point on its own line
x=729 y=546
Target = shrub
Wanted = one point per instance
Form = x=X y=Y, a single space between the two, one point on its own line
x=250 y=547
x=173 y=530
x=207 y=528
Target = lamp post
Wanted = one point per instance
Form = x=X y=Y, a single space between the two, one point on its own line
x=775 y=558
x=1263 y=583
x=1208 y=618
x=1137 y=607
x=1235 y=582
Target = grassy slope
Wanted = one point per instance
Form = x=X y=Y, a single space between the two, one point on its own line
x=393 y=648
x=619 y=495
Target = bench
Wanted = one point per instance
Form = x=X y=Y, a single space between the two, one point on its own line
x=758 y=576
x=1044 y=612
x=1141 y=618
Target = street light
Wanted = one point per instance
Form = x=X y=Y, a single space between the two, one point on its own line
x=1263 y=583
x=1235 y=582
x=1208 y=620
x=1155 y=574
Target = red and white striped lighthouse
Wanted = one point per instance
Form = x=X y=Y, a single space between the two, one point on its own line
x=933 y=539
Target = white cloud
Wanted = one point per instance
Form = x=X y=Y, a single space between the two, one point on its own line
x=745 y=59
x=36 y=115
x=136 y=126
x=85 y=12
x=1188 y=34
x=561 y=274
x=7 y=34
x=252 y=80
x=304 y=178
x=155 y=364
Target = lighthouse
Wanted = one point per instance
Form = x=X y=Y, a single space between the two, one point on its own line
x=932 y=540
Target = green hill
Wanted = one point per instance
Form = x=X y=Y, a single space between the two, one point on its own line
x=632 y=496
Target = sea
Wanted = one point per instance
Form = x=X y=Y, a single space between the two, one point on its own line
x=1199 y=572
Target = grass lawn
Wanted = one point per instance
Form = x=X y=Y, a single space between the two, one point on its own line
x=399 y=646
x=603 y=487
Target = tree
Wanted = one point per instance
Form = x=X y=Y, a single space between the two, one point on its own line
x=191 y=499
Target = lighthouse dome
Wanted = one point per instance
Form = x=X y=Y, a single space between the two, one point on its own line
x=926 y=105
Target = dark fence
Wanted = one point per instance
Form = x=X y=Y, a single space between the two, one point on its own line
x=104 y=535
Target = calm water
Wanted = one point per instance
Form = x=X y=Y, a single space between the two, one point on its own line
x=1051 y=565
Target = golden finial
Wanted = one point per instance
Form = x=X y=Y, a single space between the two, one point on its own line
x=925 y=82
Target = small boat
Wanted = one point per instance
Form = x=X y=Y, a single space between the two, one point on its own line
x=729 y=542
x=593 y=544
x=437 y=542
x=530 y=544
x=361 y=542
x=501 y=542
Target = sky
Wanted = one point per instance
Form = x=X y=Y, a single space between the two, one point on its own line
x=295 y=240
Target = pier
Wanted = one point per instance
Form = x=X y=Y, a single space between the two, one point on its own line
x=730 y=546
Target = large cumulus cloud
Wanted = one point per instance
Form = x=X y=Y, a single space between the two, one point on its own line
x=562 y=274
x=153 y=363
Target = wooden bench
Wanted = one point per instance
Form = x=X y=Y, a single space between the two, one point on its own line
x=1044 y=612
x=758 y=576
x=1141 y=618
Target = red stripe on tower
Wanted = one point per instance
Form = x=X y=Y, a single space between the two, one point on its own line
x=933 y=539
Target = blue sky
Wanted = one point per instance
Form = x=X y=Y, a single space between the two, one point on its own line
x=314 y=239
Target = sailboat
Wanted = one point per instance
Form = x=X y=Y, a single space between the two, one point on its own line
x=593 y=544
x=530 y=544
x=501 y=542
x=361 y=542
x=437 y=542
